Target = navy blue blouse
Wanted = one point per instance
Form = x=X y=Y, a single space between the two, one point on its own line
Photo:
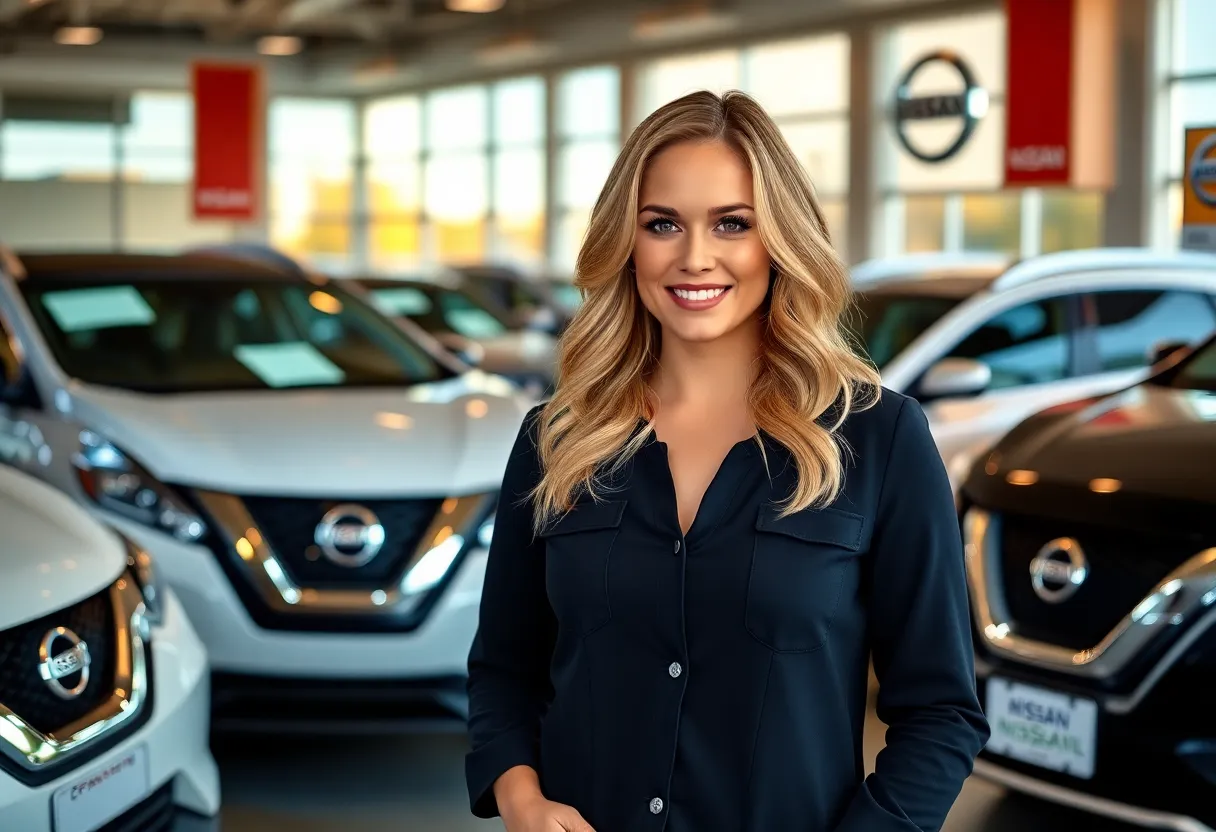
x=717 y=681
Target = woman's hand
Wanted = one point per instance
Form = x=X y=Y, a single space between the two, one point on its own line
x=540 y=815
x=523 y=806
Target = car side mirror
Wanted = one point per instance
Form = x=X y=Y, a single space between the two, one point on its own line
x=955 y=377
x=467 y=350
x=1164 y=349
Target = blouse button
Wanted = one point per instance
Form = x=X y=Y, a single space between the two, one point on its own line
x=675 y=670
x=677 y=547
x=656 y=805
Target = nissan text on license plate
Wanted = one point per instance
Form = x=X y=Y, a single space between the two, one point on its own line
x=1043 y=727
x=94 y=796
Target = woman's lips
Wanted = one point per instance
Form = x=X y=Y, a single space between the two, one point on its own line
x=697 y=298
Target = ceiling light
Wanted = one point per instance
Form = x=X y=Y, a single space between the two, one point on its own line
x=474 y=6
x=77 y=35
x=280 y=45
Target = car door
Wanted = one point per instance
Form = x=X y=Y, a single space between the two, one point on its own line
x=1031 y=350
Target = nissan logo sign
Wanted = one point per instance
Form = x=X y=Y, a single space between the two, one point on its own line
x=1201 y=171
x=962 y=105
x=1058 y=570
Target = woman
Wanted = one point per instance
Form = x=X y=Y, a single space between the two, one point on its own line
x=713 y=523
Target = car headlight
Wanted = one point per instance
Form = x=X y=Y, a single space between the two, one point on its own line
x=139 y=562
x=485 y=533
x=115 y=482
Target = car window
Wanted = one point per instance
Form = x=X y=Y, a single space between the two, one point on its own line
x=1025 y=344
x=466 y=318
x=1131 y=323
x=171 y=335
x=887 y=323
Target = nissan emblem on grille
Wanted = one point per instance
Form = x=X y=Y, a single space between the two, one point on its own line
x=1058 y=570
x=350 y=535
x=65 y=672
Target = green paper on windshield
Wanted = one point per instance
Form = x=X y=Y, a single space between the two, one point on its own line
x=293 y=364
x=81 y=310
x=403 y=300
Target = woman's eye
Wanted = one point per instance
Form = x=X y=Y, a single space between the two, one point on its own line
x=734 y=225
x=660 y=226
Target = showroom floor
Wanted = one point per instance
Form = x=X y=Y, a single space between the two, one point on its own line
x=417 y=783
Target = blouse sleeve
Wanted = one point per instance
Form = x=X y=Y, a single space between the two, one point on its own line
x=921 y=641
x=509 y=661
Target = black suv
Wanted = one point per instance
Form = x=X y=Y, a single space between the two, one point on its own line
x=1091 y=554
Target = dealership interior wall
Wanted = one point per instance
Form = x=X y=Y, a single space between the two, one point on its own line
x=493 y=142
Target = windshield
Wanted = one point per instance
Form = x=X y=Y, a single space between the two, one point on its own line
x=887 y=323
x=1199 y=371
x=184 y=334
x=437 y=309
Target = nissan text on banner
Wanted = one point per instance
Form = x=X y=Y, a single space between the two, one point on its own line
x=1060 y=121
x=229 y=109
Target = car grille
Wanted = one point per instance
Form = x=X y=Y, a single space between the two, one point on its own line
x=22 y=689
x=289 y=525
x=1123 y=568
x=155 y=813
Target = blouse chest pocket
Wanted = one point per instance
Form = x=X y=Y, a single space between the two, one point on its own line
x=801 y=566
x=578 y=549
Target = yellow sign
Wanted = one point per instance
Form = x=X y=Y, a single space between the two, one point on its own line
x=1199 y=189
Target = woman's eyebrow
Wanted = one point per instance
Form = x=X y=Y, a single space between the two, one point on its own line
x=672 y=212
x=660 y=209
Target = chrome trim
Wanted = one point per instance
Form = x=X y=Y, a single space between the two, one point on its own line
x=452 y=528
x=1125 y=812
x=1184 y=594
x=32 y=749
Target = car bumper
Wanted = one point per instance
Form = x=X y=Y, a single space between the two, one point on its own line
x=183 y=778
x=1154 y=765
x=437 y=648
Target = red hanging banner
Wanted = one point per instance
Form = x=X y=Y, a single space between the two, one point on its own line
x=1060 y=102
x=228 y=141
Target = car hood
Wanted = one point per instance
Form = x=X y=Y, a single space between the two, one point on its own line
x=1121 y=459
x=52 y=552
x=447 y=438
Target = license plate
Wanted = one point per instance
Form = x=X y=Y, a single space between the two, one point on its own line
x=1046 y=728
x=97 y=796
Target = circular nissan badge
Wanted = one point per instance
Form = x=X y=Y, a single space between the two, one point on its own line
x=350 y=535
x=963 y=103
x=1058 y=570
x=1201 y=171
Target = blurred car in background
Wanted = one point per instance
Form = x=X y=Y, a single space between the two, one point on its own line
x=1091 y=556
x=317 y=485
x=477 y=334
x=103 y=694
x=527 y=301
x=983 y=343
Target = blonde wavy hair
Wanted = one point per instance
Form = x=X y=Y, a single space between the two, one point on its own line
x=807 y=364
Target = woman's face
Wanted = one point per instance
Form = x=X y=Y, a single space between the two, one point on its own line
x=701 y=267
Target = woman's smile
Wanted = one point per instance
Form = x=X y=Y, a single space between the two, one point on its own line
x=697 y=298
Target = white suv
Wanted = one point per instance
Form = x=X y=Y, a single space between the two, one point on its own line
x=103 y=682
x=315 y=481
x=983 y=342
